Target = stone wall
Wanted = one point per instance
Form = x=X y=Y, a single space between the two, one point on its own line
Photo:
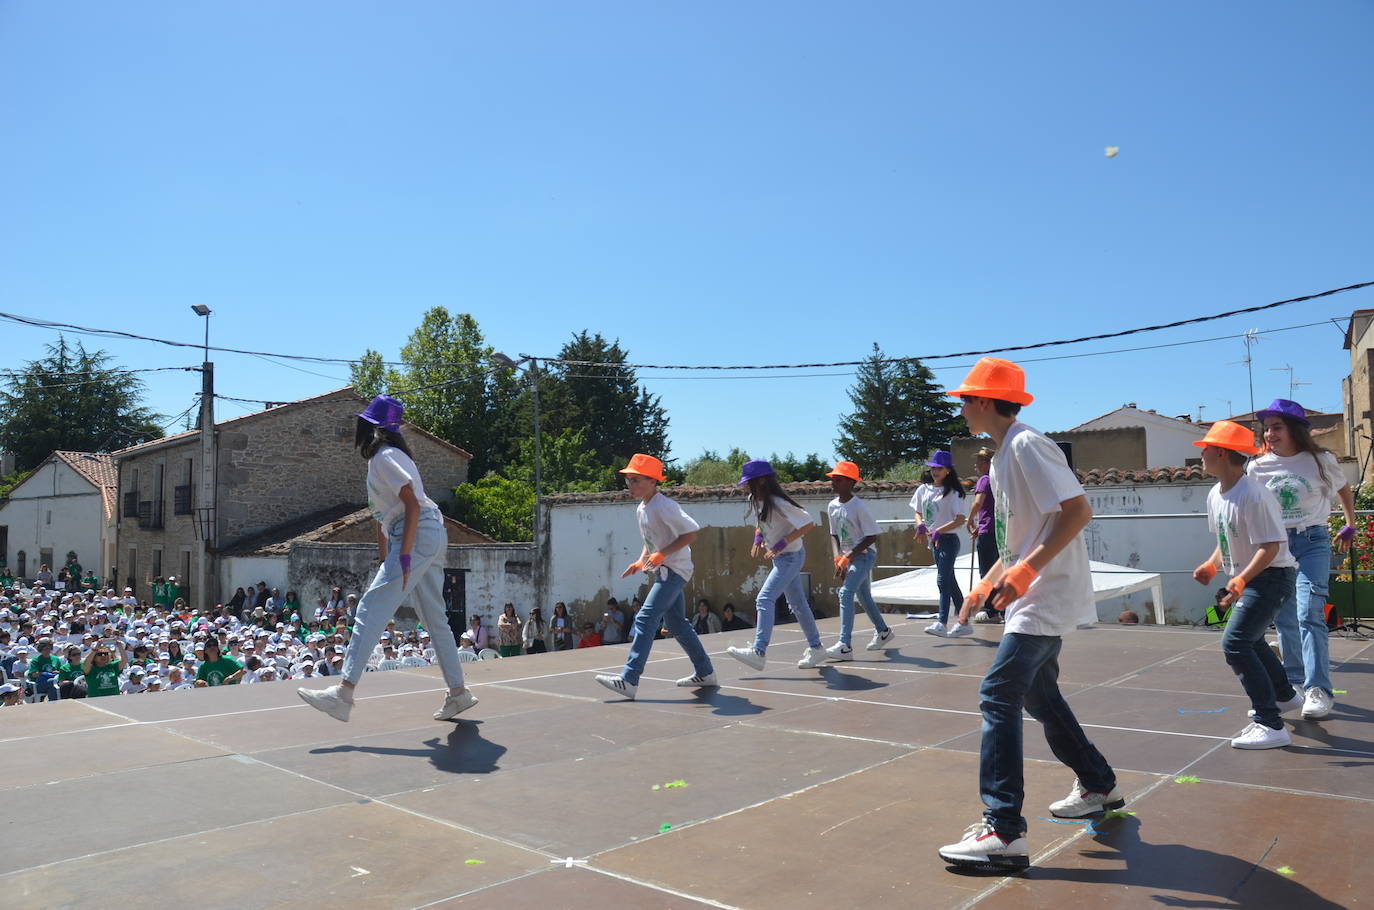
x=1119 y=447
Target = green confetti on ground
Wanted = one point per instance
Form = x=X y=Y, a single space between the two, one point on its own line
x=1116 y=813
x=664 y=828
x=1284 y=870
x=657 y=787
x=1185 y=780
x=475 y=862
x=675 y=785
x=1340 y=691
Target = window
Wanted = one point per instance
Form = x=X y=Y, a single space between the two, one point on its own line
x=157 y=563
x=22 y=559
x=184 y=576
x=131 y=496
x=131 y=570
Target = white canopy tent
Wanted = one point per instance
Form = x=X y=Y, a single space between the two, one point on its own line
x=917 y=588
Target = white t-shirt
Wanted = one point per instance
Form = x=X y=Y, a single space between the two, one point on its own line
x=851 y=522
x=388 y=471
x=1030 y=478
x=662 y=521
x=1304 y=497
x=783 y=519
x=936 y=506
x=1244 y=517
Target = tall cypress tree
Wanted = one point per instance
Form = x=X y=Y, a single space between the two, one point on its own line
x=899 y=414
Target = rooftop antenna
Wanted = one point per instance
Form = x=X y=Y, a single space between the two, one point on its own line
x=1251 y=338
x=1293 y=383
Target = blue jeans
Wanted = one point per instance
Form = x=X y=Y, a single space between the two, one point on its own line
x=379 y=604
x=785 y=579
x=1248 y=654
x=1301 y=621
x=1025 y=673
x=858 y=581
x=46 y=684
x=665 y=602
x=946 y=551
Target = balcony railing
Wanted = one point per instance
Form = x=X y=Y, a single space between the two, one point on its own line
x=130 y=505
x=181 y=500
x=150 y=514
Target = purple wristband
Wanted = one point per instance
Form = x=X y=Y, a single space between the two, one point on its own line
x=935 y=538
x=758 y=538
x=1346 y=533
x=922 y=530
x=405 y=562
x=779 y=546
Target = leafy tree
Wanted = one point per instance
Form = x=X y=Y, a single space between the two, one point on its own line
x=790 y=468
x=72 y=399
x=709 y=469
x=497 y=506
x=900 y=414
x=603 y=397
x=567 y=465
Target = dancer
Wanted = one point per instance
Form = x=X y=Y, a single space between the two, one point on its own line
x=1252 y=548
x=980 y=528
x=411 y=542
x=853 y=534
x=1043 y=582
x=778 y=519
x=1305 y=478
x=668 y=533
x=939 y=515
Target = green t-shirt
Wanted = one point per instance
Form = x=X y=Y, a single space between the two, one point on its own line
x=43 y=663
x=102 y=680
x=215 y=673
x=69 y=671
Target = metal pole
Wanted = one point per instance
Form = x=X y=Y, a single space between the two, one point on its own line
x=204 y=597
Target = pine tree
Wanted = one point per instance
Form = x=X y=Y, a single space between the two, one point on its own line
x=72 y=399
x=900 y=414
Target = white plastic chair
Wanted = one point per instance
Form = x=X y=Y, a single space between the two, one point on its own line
x=466 y=656
x=414 y=662
x=390 y=663
x=488 y=654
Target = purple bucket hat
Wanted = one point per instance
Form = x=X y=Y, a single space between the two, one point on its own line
x=385 y=412
x=756 y=468
x=940 y=460
x=1282 y=407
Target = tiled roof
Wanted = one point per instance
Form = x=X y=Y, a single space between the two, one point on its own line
x=1101 y=476
x=344 y=393
x=316 y=527
x=99 y=469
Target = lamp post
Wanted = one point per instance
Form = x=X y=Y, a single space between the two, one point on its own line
x=204 y=513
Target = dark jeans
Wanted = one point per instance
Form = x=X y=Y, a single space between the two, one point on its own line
x=946 y=551
x=1248 y=654
x=986 y=548
x=1025 y=673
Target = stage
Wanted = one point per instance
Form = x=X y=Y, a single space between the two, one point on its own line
x=785 y=788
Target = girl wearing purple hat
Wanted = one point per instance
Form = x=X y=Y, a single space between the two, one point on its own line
x=939 y=515
x=411 y=542
x=1306 y=478
x=780 y=526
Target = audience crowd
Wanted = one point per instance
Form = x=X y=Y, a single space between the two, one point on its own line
x=57 y=644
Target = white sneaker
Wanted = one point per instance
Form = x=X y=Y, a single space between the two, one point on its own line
x=698 y=682
x=1318 y=704
x=1258 y=736
x=959 y=630
x=455 y=705
x=881 y=640
x=618 y=685
x=327 y=700
x=936 y=628
x=747 y=656
x=1081 y=803
x=814 y=657
x=838 y=652
x=982 y=846
x=982 y=616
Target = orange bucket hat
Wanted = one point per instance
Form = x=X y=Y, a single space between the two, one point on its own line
x=645 y=466
x=845 y=469
x=1227 y=434
x=993 y=377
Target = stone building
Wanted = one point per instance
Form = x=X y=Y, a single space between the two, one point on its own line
x=63 y=510
x=271 y=469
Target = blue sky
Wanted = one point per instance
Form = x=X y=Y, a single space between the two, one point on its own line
x=781 y=182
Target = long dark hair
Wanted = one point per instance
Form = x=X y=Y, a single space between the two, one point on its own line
x=1301 y=434
x=368 y=438
x=761 y=493
x=952 y=484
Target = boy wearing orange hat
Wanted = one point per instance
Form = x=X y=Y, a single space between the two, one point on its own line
x=853 y=532
x=1043 y=582
x=668 y=533
x=1252 y=548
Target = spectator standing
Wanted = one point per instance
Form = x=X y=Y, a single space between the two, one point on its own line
x=508 y=631
x=613 y=623
x=535 y=633
x=562 y=627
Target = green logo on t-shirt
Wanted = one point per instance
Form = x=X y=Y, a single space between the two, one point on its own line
x=1224 y=541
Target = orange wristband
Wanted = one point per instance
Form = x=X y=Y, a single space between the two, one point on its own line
x=842 y=563
x=654 y=559
x=636 y=566
x=1236 y=586
x=980 y=592
x=1018 y=578
x=1208 y=570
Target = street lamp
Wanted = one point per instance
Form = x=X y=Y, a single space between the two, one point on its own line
x=201 y=309
x=204 y=515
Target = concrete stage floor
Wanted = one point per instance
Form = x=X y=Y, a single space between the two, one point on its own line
x=827 y=789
